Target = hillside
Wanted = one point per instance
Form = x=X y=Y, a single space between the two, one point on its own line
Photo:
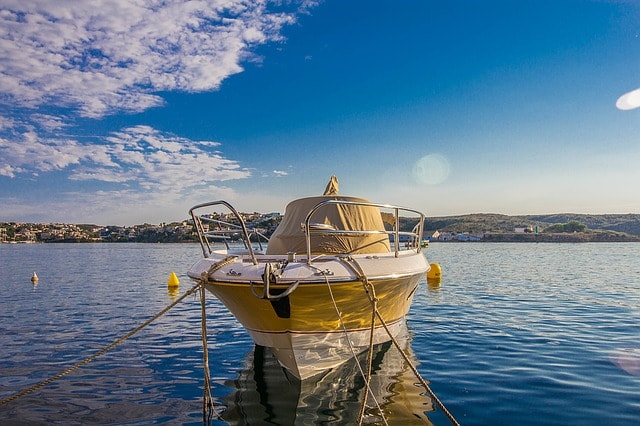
x=492 y=227
x=482 y=223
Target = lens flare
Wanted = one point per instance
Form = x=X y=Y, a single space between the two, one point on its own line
x=629 y=100
x=431 y=169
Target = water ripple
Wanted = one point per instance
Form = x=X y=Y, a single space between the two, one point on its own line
x=514 y=334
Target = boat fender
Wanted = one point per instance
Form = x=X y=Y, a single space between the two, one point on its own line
x=435 y=273
x=173 y=280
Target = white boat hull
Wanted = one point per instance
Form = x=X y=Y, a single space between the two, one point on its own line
x=326 y=320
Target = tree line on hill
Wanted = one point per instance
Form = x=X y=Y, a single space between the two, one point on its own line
x=492 y=227
x=552 y=227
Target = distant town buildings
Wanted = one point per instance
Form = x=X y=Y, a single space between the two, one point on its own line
x=19 y=232
x=164 y=232
x=265 y=224
x=449 y=236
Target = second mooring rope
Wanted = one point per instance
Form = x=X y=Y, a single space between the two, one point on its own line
x=353 y=350
x=208 y=407
x=100 y=352
x=373 y=299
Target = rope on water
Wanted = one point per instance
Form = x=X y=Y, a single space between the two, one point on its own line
x=373 y=299
x=100 y=352
x=374 y=302
x=370 y=290
x=353 y=351
x=208 y=407
x=417 y=374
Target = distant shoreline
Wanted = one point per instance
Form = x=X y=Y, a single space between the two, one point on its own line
x=483 y=227
x=580 y=237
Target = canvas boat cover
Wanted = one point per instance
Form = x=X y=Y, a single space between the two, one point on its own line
x=290 y=237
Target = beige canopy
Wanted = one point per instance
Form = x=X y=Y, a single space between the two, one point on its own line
x=289 y=236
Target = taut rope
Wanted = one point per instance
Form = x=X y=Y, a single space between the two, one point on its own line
x=208 y=407
x=368 y=288
x=353 y=351
x=376 y=313
x=100 y=352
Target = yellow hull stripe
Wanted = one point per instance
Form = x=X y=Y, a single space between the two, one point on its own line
x=311 y=306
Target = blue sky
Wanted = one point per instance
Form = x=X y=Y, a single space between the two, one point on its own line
x=126 y=112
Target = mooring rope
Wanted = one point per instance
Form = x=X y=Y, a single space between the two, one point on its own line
x=373 y=299
x=353 y=351
x=208 y=407
x=417 y=374
x=370 y=290
x=100 y=352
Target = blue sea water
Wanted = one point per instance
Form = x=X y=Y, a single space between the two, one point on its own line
x=523 y=334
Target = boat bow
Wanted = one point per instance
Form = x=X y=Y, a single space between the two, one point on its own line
x=308 y=295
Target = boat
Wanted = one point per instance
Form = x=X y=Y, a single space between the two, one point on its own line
x=332 y=280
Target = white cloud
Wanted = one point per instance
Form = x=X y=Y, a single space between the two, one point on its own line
x=136 y=170
x=103 y=57
x=280 y=173
x=48 y=122
x=29 y=153
x=6 y=123
x=629 y=100
x=155 y=160
x=139 y=155
x=93 y=58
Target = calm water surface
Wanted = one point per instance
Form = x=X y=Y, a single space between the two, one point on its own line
x=522 y=334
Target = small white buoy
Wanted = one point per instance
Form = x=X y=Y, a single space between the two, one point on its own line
x=34 y=278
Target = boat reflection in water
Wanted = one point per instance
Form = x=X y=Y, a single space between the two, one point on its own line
x=266 y=393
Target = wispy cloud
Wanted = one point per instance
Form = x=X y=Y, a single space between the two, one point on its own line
x=99 y=58
x=133 y=171
x=24 y=151
x=153 y=159
x=140 y=156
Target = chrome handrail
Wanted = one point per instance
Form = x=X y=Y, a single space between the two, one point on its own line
x=324 y=229
x=202 y=235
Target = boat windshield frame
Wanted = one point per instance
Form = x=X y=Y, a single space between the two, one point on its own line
x=223 y=234
x=310 y=230
x=415 y=235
